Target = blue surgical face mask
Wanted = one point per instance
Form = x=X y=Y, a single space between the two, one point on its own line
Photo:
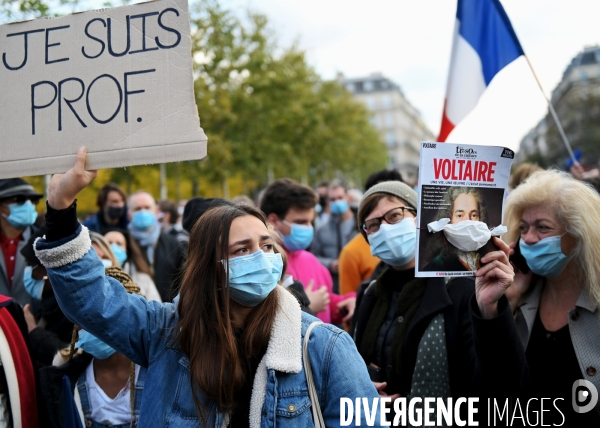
x=338 y=207
x=94 y=346
x=143 y=219
x=33 y=286
x=119 y=253
x=318 y=208
x=107 y=263
x=299 y=238
x=395 y=243
x=21 y=216
x=253 y=277
x=545 y=257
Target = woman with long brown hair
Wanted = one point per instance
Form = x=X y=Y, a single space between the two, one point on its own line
x=228 y=350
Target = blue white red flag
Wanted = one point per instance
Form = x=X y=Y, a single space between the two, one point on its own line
x=484 y=43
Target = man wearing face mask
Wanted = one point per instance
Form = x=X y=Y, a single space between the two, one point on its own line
x=144 y=226
x=322 y=208
x=17 y=217
x=290 y=209
x=333 y=235
x=112 y=211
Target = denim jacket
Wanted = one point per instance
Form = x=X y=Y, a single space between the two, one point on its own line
x=143 y=331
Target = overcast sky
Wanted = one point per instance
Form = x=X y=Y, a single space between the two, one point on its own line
x=409 y=41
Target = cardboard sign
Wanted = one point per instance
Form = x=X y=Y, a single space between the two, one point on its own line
x=119 y=81
x=461 y=197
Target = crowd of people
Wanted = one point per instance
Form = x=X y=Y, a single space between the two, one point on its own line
x=153 y=313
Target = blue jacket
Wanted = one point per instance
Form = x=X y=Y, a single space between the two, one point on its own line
x=143 y=331
x=97 y=224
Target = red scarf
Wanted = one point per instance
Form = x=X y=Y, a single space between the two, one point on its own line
x=23 y=366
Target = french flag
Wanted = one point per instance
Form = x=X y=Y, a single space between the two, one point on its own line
x=484 y=43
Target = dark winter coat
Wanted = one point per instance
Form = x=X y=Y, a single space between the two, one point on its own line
x=484 y=356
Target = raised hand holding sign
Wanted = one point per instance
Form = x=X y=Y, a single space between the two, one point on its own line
x=63 y=188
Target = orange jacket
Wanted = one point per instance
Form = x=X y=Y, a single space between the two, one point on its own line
x=356 y=263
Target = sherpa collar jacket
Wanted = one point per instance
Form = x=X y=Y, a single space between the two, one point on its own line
x=142 y=331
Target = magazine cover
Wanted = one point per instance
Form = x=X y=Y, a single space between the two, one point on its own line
x=461 y=195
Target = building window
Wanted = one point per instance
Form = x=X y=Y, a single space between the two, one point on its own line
x=387 y=101
x=370 y=103
x=350 y=87
x=583 y=76
x=390 y=140
x=389 y=119
x=368 y=86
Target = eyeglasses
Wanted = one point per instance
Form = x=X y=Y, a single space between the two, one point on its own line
x=391 y=217
x=21 y=199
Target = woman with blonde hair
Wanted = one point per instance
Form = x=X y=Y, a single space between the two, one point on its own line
x=553 y=221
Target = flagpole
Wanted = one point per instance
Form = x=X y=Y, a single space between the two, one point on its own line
x=553 y=113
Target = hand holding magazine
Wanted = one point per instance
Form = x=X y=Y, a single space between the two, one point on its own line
x=461 y=195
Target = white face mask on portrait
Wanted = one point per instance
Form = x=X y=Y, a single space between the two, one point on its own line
x=468 y=235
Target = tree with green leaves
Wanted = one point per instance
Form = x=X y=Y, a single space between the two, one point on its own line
x=266 y=111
